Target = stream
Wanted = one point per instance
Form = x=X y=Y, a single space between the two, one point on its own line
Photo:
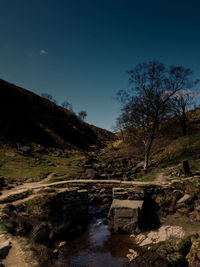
x=97 y=247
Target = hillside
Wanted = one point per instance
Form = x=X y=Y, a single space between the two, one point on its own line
x=26 y=117
x=123 y=159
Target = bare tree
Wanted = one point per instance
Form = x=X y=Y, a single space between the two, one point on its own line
x=49 y=97
x=147 y=102
x=181 y=102
x=82 y=115
x=65 y=104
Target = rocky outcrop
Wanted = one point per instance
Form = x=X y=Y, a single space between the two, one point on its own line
x=164 y=233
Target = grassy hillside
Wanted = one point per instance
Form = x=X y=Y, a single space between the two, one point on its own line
x=169 y=149
x=26 y=117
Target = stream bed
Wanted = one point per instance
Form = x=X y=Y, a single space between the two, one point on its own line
x=97 y=247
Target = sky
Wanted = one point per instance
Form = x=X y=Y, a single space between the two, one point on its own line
x=80 y=50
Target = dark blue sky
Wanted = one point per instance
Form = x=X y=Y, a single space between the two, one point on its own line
x=79 y=50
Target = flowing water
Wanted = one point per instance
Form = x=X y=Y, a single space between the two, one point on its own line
x=97 y=247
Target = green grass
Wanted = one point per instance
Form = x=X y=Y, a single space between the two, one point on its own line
x=117 y=143
x=54 y=180
x=185 y=147
x=36 y=167
x=3 y=226
x=149 y=177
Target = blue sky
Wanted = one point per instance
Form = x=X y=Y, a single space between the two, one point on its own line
x=79 y=50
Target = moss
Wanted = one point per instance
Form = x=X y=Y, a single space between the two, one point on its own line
x=176 y=259
x=184 y=245
x=3 y=226
x=178 y=185
x=175 y=251
x=165 y=249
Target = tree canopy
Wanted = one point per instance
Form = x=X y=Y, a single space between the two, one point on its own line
x=147 y=100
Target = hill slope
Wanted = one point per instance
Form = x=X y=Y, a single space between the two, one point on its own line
x=27 y=117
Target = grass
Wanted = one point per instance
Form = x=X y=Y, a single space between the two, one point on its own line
x=117 y=143
x=182 y=148
x=3 y=226
x=149 y=177
x=37 y=166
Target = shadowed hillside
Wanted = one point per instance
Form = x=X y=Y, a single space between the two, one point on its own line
x=27 y=117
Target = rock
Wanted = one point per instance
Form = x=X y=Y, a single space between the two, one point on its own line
x=62 y=244
x=185 y=204
x=132 y=255
x=55 y=251
x=117 y=174
x=186 y=198
x=2 y=182
x=123 y=215
x=4 y=249
x=192 y=257
x=91 y=174
x=42 y=150
x=50 y=163
x=186 y=167
x=10 y=154
x=59 y=153
x=164 y=233
x=140 y=238
x=139 y=167
x=87 y=166
x=120 y=193
x=128 y=193
x=25 y=150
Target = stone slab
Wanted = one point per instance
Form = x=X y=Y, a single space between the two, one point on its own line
x=131 y=204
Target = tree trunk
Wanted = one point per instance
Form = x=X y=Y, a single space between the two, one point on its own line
x=184 y=123
x=147 y=153
x=122 y=134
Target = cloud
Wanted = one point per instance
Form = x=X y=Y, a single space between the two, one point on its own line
x=43 y=52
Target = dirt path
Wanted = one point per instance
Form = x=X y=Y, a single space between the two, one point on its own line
x=16 y=257
x=161 y=178
x=27 y=186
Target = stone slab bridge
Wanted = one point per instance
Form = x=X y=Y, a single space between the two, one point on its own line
x=124 y=199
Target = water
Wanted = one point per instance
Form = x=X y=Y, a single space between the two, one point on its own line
x=97 y=247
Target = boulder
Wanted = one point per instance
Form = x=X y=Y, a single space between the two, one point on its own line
x=2 y=182
x=91 y=174
x=124 y=215
x=186 y=167
x=25 y=150
x=186 y=203
x=4 y=249
x=10 y=154
x=186 y=198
